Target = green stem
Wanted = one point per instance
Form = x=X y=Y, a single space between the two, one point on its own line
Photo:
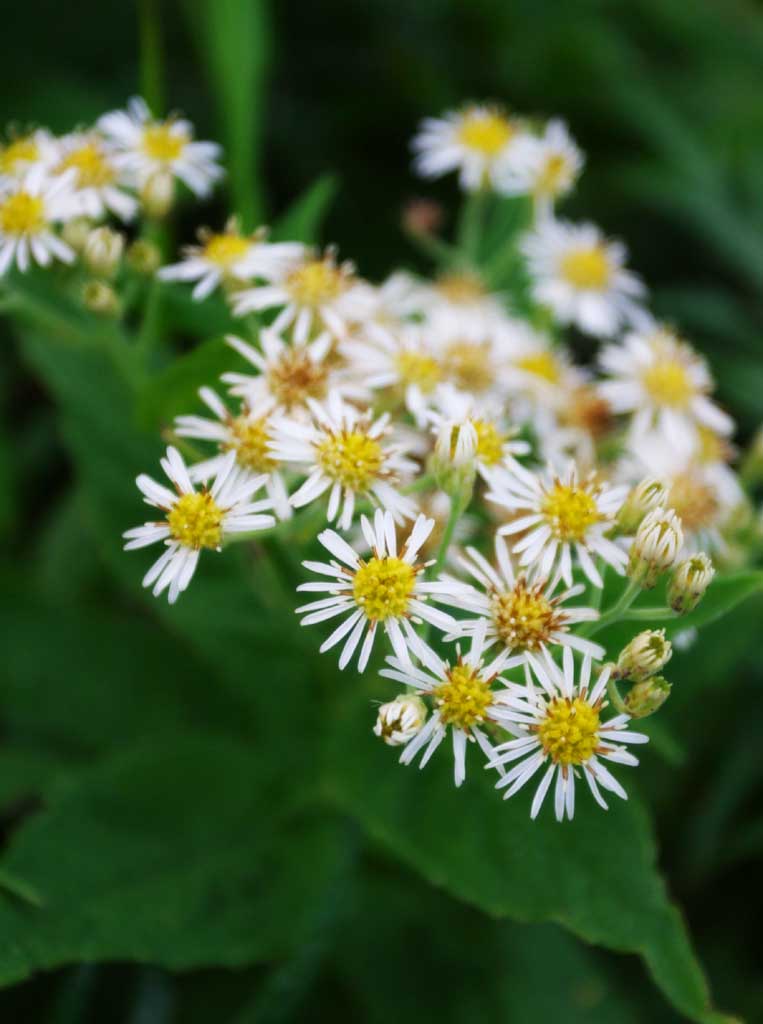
x=442 y=254
x=615 y=697
x=456 y=508
x=471 y=225
x=648 y=614
x=614 y=613
x=151 y=55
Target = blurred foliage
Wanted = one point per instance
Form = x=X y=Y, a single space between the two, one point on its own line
x=127 y=727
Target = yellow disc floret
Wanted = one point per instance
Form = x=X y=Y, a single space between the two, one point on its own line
x=490 y=442
x=351 y=458
x=195 y=520
x=91 y=164
x=296 y=377
x=569 y=734
x=223 y=250
x=541 y=364
x=250 y=439
x=163 y=142
x=22 y=214
x=555 y=176
x=523 y=616
x=694 y=500
x=420 y=369
x=587 y=268
x=21 y=151
x=487 y=132
x=463 y=698
x=469 y=366
x=383 y=587
x=668 y=383
x=460 y=288
x=316 y=282
x=570 y=511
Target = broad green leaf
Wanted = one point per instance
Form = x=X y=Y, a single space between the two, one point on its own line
x=233 y=38
x=303 y=220
x=597 y=875
x=180 y=855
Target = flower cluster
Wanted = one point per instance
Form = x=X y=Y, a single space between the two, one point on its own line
x=493 y=504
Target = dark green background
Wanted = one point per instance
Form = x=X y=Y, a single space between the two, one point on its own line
x=665 y=97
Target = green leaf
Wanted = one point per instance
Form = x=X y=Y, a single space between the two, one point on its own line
x=597 y=875
x=233 y=37
x=182 y=855
x=723 y=595
x=302 y=221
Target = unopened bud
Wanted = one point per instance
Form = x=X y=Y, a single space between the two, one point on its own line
x=655 y=547
x=454 y=460
x=144 y=257
x=647 y=697
x=646 y=496
x=691 y=579
x=101 y=298
x=422 y=217
x=103 y=251
x=158 y=194
x=646 y=654
x=75 y=232
x=400 y=719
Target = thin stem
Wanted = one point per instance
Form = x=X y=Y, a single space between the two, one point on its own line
x=471 y=226
x=616 y=612
x=441 y=253
x=648 y=614
x=151 y=55
x=456 y=508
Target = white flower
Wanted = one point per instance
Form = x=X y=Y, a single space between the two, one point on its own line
x=30 y=207
x=581 y=277
x=194 y=520
x=22 y=152
x=146 y=148
x=523 y=613
x=230 y=257
x=400 y=719
x=561 y=729
x=559 y=515
x=343 y=451
x=316 y=294
x=664 y=384
x=385 y=590
x=98 y=183
x=248 y=434
x=458 y=306
x=463 y=696
x=545 y=167
x=473 y=141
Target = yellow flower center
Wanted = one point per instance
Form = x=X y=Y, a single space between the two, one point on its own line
x=694 y=501
x=490 y=442
x=161 y=142
x=351 y=458
x=541 y=364
x=460 y=288
x=383 y=586
x=463 y=698
x=487 y=132
x=569 y=733
x=469 y=366
x=195 y=520
x=91 y=164
x=587 y=268
x=223 y=250
x=570 y=511
x=668 y=383
x=418 y=368
x=250 y=439
x=554 y=176
x=523 y=616
x=316 y=283
x=296 y=377
x=19 y=151
x=711 y=447
x=22 y=214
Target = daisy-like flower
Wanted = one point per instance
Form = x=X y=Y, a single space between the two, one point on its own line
x=524 y=614
x=561 y=729
x=384 y=590
x=146 y=148
x=558 y=515
x=459 y=305
x=316 y=293
x=581 y=276
x=22 y=151
x=545 y=167
x=474 y=141
x=30 y=207
x=664 y=384
x=344 y=451
x=230 y=258
x=97 y=182
x=463 y=694
x=194 y=520
x=248 y=434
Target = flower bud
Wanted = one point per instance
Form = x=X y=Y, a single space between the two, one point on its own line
x=158 y=194
x=646 y=496
x=454 y=460
x=422 y=217
x=647 y=697
x=646 y=654
x=400 y=719
x=655 y=547
x=101 y=298
x=691 y=578
x=144 y=257
x=103 y=250
x=75 y=232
